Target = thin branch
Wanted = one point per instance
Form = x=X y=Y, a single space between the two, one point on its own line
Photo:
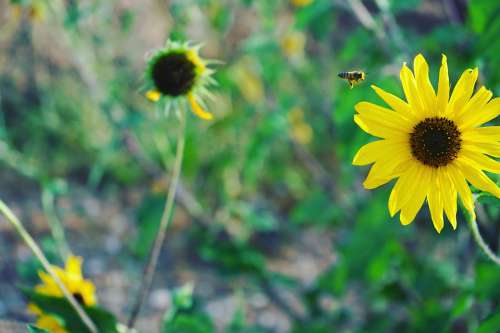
x=277 y=300
x=366 y=19
x=9 y=215
x=150 y=270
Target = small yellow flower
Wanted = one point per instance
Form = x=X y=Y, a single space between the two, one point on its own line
x=177 y=75
x=300 y=130
x=301 y=3
x=293 y=44
x=433 y=144
x=36 y=9
x=248 y=80
x=71 y=276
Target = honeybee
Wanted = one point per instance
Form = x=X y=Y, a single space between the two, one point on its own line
x=353 y=77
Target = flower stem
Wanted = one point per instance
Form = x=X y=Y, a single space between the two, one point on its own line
x=166 y=218
x=480 y=241
x=55 y=224
x=9 y=215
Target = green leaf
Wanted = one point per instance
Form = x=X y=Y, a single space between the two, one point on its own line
x=34 y=329
x=491 y=324
x=479 y=13
x=315 y=209
x=189 y=323
x=60 y=307
x=148 y=215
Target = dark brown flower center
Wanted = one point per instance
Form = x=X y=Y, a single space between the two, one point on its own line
x=435 y=141
x=173 y=74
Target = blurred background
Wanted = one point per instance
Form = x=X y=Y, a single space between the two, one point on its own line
x=273 y=231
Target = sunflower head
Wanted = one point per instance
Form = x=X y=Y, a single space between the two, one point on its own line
x=71 y=276
x=432 y=143
x=176 y=74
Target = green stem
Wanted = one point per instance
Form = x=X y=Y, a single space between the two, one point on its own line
x=166 y=218
x=480 y=241
x=9 y=215
x=55 y=224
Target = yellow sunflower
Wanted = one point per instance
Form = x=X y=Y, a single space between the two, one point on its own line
x=71 y=276
x=176 y=74
x=432 y=143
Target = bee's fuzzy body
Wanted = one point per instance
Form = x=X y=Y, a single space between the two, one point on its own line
x=352 y=77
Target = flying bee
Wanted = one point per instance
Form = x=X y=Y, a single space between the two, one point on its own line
x=353 y=77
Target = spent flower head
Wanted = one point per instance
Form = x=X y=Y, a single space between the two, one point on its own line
x=432 y=143
x=176 y=75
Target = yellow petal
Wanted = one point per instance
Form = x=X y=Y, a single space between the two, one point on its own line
x=477 y=117
x=480 y=161
x=153 y=95
x=51 y=323
x=34 y=309
x=74 y=265
x=413 y=205
x=400 y=189
x=410 y=89
x=421 y=69
x=443 y=93
x=384 y=171
x=482 y=134
x=462 y=91
x=488 y=148
x=197 y=109
x=396 y=103
x=449 y=197
x=381 y=122
x=373 y=151
x=477 y=178
x=87 y=290
x=463 y=189
x=474 y=106
x=46 y=278
x=375 y=113
x=435 y=204
x=415 y=179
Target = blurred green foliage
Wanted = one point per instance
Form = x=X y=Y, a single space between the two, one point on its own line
x=260 y=175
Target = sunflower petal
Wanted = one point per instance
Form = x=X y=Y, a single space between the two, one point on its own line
x=443 y=93
x=435 y=204
x=373 y=151
x=474 y=105
x=482 y=134
x=396 y=103
x=380 y=173
x=389 y=118
x=421 y=69
x=377 y=128
x=462 y=91
x=153 y=95
x=411 y=193
x=198 y=110
x=410 y=89
x=463 y=189
x=488 y=148
x=399 y=194
x=74 y=265
x=449 y=197
x=481 y=161
x=411 y=208
x=478 y=178
x=477 y=117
